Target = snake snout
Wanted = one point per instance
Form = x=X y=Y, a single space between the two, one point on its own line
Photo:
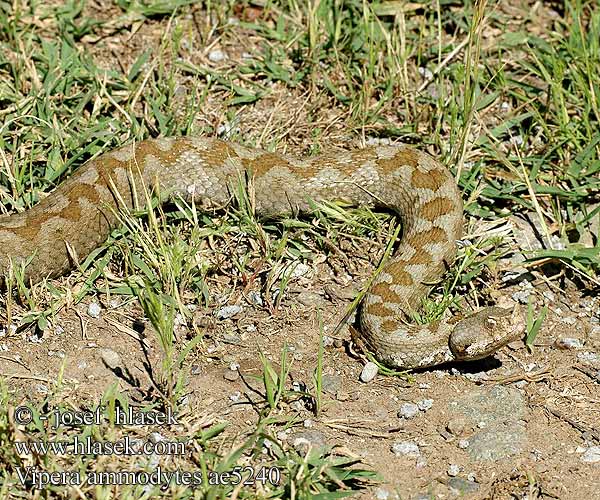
x=484 y=332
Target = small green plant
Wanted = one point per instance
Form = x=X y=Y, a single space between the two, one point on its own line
x=534 y=324
x=273 y=381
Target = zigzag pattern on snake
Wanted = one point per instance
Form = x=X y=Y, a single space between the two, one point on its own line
x=409 y=182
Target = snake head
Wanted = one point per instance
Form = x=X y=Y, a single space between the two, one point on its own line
x=484 y=332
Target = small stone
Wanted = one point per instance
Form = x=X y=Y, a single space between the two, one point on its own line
x=94 y=310
x=342 y=395
x=587 y=356
x=236 y=396
x=300 y=270
x=227 y=312
x=446 y=435
x=425 y=404
x=369 y=372
x=304 y=440
x=231 y=375
x=463 y=444
x=381 y=494
x=457 y=426
x=155 y=437
x=216 y=55
x=408 y=410
x=453 y=470
x=231 y=338
x=195 y=370
x=41 y=388
x=255 y=298
x=406 y=448
x=179 y=320
x=331 y=384
x=592 y=455
x=568 y=343
x=521 y=296
x=110 y=358
x=310 y=299
x=328 y=341
x=462 y=486
x=283 y=435
x=425 y=73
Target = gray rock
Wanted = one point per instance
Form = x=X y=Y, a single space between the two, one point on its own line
x=255 y=298
x=569 y=343
x=408 y=410
x=309 y=439
x=406 y=448
x=231 y=338
x=592 y=455
x=300 y=270
x=498 y=404
x=497 y=413
x=310 y=299
x=462 y=486
x=425 y=404
x=588 y=357
x=227 y=312
x=331 y=384
x=497 y=442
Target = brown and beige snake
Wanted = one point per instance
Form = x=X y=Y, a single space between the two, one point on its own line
x=411 y=183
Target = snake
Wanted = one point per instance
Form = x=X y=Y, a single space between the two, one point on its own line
x=47 y=239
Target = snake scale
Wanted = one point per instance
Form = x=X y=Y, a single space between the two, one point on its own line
x=76 y=218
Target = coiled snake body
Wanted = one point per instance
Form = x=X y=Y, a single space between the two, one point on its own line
x=404 y=180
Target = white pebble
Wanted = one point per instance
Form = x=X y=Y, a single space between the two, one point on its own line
x=463 y=443
x=453 y=470
x=408 y=410
x=425 y=404
x=369 y=372
x=236 y=396
x=592 y=455
x=425 y=73
x=569 y=343
x=216 y=55
x=300 y=270
x=93 y=310
x=228 y=311
x=406 y=448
